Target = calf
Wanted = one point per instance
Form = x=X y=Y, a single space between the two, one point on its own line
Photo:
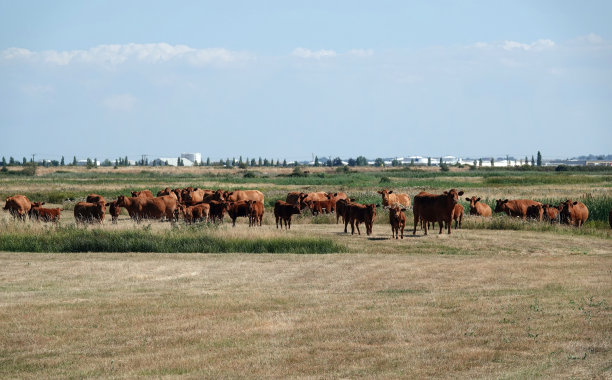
x=86 y=212
x=195 y=213
x=217 y=210
x=435 y=208
x=478 y=208
x=397 y=218
x=535 y=212
x=574 y=213
x=283 y=212
x=238 y=209
x=317 y=207
x=114 y=211
x=256 y=213
x=457 y=216
x=358 y=213
x=46 y=214
x=551 y=213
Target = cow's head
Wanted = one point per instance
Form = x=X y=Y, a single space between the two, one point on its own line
x=452 y=196
x=473 y=202
x=395 y=212
x=499 y=205
x=121 y=201
x=385 y=196
x=567 y=210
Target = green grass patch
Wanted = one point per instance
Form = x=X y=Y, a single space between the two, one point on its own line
x=71 y=239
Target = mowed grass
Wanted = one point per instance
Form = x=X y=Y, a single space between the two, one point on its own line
x=504 y=314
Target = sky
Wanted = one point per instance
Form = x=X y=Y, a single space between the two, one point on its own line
x=289 y=80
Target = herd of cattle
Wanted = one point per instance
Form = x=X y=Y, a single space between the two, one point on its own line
x=195 y=205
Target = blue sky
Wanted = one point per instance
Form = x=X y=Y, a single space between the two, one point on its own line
x=285 y=79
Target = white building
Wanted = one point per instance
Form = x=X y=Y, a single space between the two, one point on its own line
x=193 y=157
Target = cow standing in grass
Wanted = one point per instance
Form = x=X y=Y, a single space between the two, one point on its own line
x=283 y=211
x=478 y=208
x=574 y=213
x=397 y=219
x=437 y=208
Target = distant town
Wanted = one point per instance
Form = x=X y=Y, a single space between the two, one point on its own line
x=196 y=159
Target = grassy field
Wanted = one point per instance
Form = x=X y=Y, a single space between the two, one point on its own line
x=499 y=298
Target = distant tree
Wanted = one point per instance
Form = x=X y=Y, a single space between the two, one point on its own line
x=352 y=162
x=11 y=161
x=25 y=161
x=62 y=161
x=89 y=163
x=526 y=160
x=253 y=163
x=412 y=162
x=74 y=161
x=233 y=161
x=260 y=162
x=379 y=162
x=316 y=162
x=444 y=167
x=207 y=161
x=429 y=161
x=240 y=160
x=329 y=162
x=539 y=159
x=3 y=161
x=285 y=163
x=492 y=162
x=361 y=161
x=441 y=162
x=532 y=161
x=337 y=161
x=475 y=163
x=395 y=162
x=266 y=162
x=55 y=163
x=227 y=163
x=480 y=162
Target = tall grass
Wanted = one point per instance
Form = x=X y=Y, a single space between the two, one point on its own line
x=71 y=239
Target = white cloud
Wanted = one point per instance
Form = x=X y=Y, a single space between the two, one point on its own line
x=307 y=53
x=120 y=102
x=117 y=54
x=535 y=46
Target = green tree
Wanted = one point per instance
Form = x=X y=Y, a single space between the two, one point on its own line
x=480 y=162
x=74 y=161
x=3 y=161
x=492 y=162
x=428 y=161
x=253 y=163
x=532 y=161
x=395 y=162
x=285 y=163
x=352 y=162
x=361 y=161
x=62 y=161
x=207 y=161
x=227 y=163
x=337 y=161
x=526 y=160
x=233 y=161
x=316 y=162
x=266 y=162
x=412 y=162
x=441 y=162
x=260 y=162
x=11 y=161
x=539 y=159
x=475 y=163
x=379 y=162
x=25 y=161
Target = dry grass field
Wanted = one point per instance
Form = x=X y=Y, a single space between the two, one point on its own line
x=480 y=303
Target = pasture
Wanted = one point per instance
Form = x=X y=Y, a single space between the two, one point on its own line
x=499 y=298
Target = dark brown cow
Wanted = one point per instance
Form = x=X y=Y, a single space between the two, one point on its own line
x=437 y=208
x=478 y=208
x=293 y=197
x=535 y=212
x=283 y=211
x=46 y=214
x=114 y=211
x=389 y=198
x=238 y=209
x=133 y=205
x=517 y=208
x=574 y=213
x=358 y=213
x=551 y=213
x=142 y=194
x=397 y=219
x=95 y=198
x=86 y=212
x=217 y=210
x=341 y=209
x=256 y=213
x=18 y=206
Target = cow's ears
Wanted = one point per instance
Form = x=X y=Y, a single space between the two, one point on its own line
x=575 y=203
x=477 y=199
x=335 y=194
x=468 y=199
x=379 y=191
x=461 y=193
x=45 y=203
x=403 y=209
x=505 y=200
x=390 y=191
x=445 y=193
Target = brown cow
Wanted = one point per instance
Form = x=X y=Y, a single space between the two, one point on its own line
x=114 y=211
x=438 y=208
x=95 y=198
x=193 y=196
x=142 y=194
x=317 y=207
x=245 y=195
x=315 y=196
x=18 y=206
x=256 y=213
x=574 y=213
x=293 y=197
x=238 y=209
x=478 y=208
x=217 y=210
x=87 y=212
x=358 y=213
x=389 y=198
x=551 y=213
x=516 y=207
x=341 y=209
x=149 y=208
x=397 y=218
x=283 y=211
x=170 y=192
x=195 y=213
x=458 y=212
x=535 y=212
x=46 y=214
